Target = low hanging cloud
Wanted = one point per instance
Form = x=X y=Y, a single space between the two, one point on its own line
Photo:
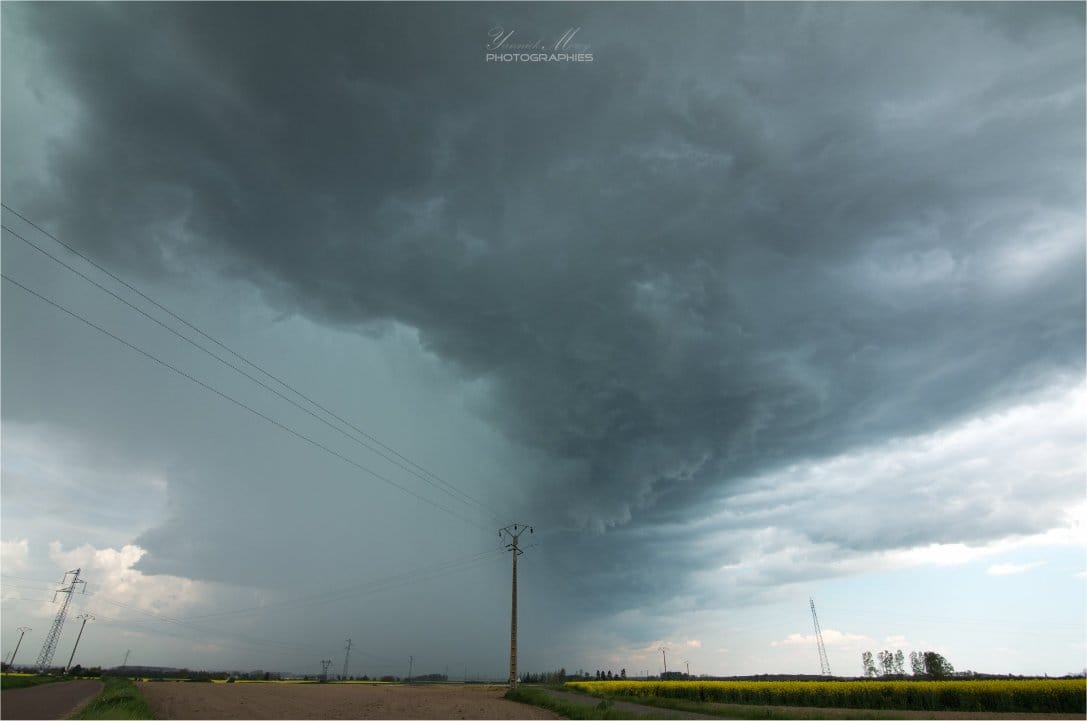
x=959 y=495
x=14 y=554
x=760 y=281
x=1011 y=472
x=117 y=587
x=1011 y=569
x=111 y=586
x=831 y=637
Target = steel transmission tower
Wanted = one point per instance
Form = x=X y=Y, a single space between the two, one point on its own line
x=50 y=646
x=346 y=657
x=824 y=664
x=514 y=532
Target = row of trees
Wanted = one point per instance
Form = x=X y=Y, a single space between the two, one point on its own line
x=553 y=677
x=925 y=663
x=561 y=675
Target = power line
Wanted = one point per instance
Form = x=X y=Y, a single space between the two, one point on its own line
x=258 y=643
x=241 y=640
x=249 y=643
x=50 y=589
x=1001 y=623
x=394 y=581
x=435 y=476
x=237 y=402
x=456 y=495
x=279 y=647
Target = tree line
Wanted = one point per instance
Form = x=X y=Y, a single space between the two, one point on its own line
x=927 y=664
x=561 y=676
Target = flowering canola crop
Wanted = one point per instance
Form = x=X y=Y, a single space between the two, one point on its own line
x=1037 y=695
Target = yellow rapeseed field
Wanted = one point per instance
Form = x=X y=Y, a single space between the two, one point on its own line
x=1039 y=695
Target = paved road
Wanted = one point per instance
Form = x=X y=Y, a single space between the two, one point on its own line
x=651 y=711
x=47 y=701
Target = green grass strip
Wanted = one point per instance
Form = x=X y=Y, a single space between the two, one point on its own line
x=740 y=711
x=120 y=699
x=601 y=710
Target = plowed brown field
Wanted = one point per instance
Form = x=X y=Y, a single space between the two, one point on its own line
x=172 y=700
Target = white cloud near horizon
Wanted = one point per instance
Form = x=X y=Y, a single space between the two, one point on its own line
x=1008 y=569
x=112 y=569
x=14 y=554
x=831 y=637
x=1008 y=480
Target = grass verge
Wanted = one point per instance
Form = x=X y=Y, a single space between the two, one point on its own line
x=120 y=699
x=741 y=711
x=756 y=711
x=570 y=710
x=23 y=680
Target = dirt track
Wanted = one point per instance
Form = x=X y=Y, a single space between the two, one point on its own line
x=47 y=701
x=170 y=700
x=661 y=713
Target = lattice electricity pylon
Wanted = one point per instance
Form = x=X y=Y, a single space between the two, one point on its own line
x=45 y=658
x=824 y=664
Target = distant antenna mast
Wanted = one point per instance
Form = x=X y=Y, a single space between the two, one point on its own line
x=50 y=646
x=824 y=664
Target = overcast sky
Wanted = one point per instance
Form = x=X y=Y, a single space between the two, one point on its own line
x=745 y=305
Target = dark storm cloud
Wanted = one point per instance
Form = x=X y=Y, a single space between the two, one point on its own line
x=742 y=235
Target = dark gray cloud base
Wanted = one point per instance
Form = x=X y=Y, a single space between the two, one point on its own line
x=743 y=235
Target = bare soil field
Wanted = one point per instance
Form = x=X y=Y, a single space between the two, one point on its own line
x=170 y=700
